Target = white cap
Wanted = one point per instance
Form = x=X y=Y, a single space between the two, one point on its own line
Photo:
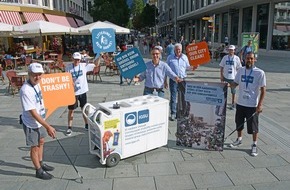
x=77 y=55
x=35 y=68
x=232 y=47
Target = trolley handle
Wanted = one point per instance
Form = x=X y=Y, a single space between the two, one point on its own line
x=88 y=109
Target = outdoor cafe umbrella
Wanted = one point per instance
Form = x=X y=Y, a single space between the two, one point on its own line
x=87 y=29
x=5 y=29
x=39 y=28
x=119 y=28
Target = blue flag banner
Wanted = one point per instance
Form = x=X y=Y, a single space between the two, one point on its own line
x=130 y=63
x=103 y=40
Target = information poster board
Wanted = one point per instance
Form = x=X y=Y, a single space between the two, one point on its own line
x=255 y=37
x=201 y=115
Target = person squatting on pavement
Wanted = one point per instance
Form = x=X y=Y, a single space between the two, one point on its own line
x=252 y=89
x=33 y=120
x=78 y=71
x=229 y=66
x=155 y=75
x=178 y=62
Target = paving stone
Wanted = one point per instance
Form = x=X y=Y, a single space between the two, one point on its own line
x=267 y=161
x=281 y=185
x=213 y=179
x=163 y=156
x=251 y=176
x=155 y=169
x=140 y=183
x=230 y=164
x=9 y=185
x=47 y=184
x=271 y=149
x=282 y=172
x=188 y=167
x=244 y=187
x=173 y=182
x=122 y=171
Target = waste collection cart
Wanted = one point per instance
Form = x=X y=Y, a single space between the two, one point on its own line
x=124 y=128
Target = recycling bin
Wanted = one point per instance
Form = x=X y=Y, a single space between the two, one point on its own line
x=124 y=128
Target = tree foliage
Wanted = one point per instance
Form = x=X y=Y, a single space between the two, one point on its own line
x=115 y=11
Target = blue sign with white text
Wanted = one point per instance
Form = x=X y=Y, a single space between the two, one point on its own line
x=133 y=118
x=103 y=40
x=130 y=63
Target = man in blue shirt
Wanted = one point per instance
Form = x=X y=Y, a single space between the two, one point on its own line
x=155 y=75
x=178 y=63
x=170 y=48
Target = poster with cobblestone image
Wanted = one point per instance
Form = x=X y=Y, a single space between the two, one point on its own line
x=201 y=115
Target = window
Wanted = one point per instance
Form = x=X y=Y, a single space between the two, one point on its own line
x=262 y=24
x=247 y=19
x=45 y=2
x=281 y=27
x=192 y=5
x=225 y=25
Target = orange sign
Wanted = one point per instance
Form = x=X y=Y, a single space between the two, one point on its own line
x=198 y=53
x=57 y=90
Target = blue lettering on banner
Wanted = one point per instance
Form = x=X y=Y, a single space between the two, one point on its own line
x=143 y=116
x=133 y=118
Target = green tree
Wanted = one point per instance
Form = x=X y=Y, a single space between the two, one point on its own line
x=137 y=7
x=115 y=11
x=148 y=15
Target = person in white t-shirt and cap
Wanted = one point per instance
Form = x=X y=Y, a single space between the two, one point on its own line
x=33 y=120
x=229 y=66
x=78 y=71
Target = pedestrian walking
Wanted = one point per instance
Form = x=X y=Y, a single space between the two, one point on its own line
x=252 y=88
x=33 y=120
x=246 y=49
x=229 y=66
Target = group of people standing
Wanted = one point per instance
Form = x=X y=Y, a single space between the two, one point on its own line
x=250 y=79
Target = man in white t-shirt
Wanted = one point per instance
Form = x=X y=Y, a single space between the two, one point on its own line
x=252 y=88
x=78 y=71
x=33 y=120
x=229 y=66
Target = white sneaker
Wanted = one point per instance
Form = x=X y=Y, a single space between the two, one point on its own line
x=254 y=151
x=236 y=143
x=68 y=132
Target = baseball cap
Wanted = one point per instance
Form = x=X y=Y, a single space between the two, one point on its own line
x=77 y=55
x=232 y=47
x=35 y=68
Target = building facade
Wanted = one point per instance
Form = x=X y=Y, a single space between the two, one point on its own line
x=72 y=13
x=271 y=18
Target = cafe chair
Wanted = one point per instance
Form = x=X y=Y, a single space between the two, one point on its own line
x=9 y=75
x=95 y=72
x=1 y=74
x=16 y=84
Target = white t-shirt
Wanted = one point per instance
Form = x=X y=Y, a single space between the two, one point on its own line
x=31 y=98
x=79 y=75
x=230 y=64
x=250 y=81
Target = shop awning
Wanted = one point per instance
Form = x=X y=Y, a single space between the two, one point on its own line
x=281 y=28
x=80 y=22
x=10 y=17
x=72 y=22
x=58 y=20
x=30 y=17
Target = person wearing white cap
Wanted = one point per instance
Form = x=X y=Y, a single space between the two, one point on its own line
x=79 y=74
x=229 y=66
x=33 y=120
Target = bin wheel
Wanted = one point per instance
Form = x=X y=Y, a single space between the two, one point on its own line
x=112 y=160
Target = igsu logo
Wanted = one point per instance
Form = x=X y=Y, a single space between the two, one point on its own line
x=139 y=117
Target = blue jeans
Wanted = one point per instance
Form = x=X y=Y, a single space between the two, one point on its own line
x=148 y=91
x=173 y=86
